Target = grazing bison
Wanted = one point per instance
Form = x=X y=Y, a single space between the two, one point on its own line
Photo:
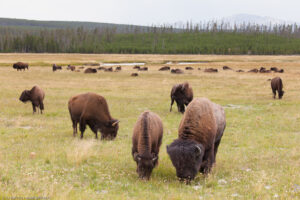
x=276 y=84
x=110 y=69
x=165 y=68
x=226 y=68
x=71 y=67
x=143 y=69
x=134 y=74
x=211 y=70
x=275 y=69
x=119 y=68
x=280 y=71
x=253 y=70
x=36 y=95
x=136 y=67
x=189 y=68
x=176 y=71
x=56 y=67
x=91 y=109
x=20 y=66
x=199 y=135
x=240 y=70
x=182 y=94
x=90 y=70
x=146 y=141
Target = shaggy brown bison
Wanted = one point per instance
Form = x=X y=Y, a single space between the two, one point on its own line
x=176 y=71
x=275 y=69
x=276 y=85
x=136 y=67
x=134 y=74
x=143 y=69
x=36 y=95
x=90 y=70
x=199 y=135
x=110 y=69
x=91 y=109
x=119 y=68
x=253 y=70
x=56 y=67
x=240 y=70
x=182 y=94
x=20 y=66
x=211 y=70
x=189 y=68
x=226 y=68
x=101 y=68
x=71 y=67
x=165 y=68
x=146 y=141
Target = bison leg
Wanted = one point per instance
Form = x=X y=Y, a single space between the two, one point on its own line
x=216 y=150
x=172 y=101
x=207 y=162
x=274 y=93
x=33 y=107
x=74 y=128
x=82 y=126
x=41 y=106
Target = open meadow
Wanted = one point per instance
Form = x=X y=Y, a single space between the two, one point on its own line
x=258 y=158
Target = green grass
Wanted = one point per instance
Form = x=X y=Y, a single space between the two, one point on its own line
x=258 y=156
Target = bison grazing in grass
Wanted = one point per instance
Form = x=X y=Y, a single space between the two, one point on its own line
x=211 y=70
x=240 y=70
x=92 y=109
x=90 y=70
x=253 y=70
x=276 y=84
x=110 y=69
x=199 y=135
x=20 y=66
x=177 y=71
x=189 y=68
x=165 y=68
x=226 y=68
x=56 y=67
x=137 y=67
x=119 y=68
x=36 y=95
x=146 y=141
x=143 y=69
x=182 y=94
x=71 y=67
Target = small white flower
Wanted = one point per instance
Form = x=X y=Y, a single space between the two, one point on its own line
x=267 y=187
x=197 y=187
x=222 y=182
x=276 y=196
x=235 y=195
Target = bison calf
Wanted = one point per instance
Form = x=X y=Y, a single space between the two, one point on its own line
x=91 y=109
x=36 y=95
x=199 y=135
x=146 y=141
x=276 y=84
x=182 y=94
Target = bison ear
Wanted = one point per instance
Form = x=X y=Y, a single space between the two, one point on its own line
x=198 y=150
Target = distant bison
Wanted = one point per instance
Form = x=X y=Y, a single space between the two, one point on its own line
x=240 y=70
x=70 y=67
x=20 y=66
x=182 y=94
x=56 y=67
x=90 y=70
x=276 y=85
x=101 y=68
x=226 y=68
x=253 y=70
x=146 y=141
x=199 y=68
x=176 y=71
x=211 y=70
x=119 y=68
x=275 y=69
x=110 y=69
x=134 y=74
x=189 y=68
x=136 y=67
x=199 y=135
x=91 y=109
x=36 y=95
x=143 y=69
x=165 y=68
x=280 y=71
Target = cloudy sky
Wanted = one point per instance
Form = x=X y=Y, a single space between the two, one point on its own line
x=146 y=12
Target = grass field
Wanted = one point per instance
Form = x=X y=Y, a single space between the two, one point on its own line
x=258 y=158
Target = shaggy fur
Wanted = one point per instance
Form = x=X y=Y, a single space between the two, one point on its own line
x=199 y=135
x=20 y=66
x=36 y=95
x=182 y=94
x=91 y=109
x=90 y=70
x=165 y=68
x=146 y=141
x=276 y=85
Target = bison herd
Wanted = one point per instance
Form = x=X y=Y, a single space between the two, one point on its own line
x=199 y=134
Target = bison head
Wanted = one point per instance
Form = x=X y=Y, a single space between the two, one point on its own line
x=110 y=129
x=25 y=96
x=186 y=156
x=145 y=164
x=280 y=94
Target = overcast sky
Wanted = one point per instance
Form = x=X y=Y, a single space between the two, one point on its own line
x=146 y=12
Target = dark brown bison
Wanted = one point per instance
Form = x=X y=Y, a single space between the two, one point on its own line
x=240 y=70
x=189 y=68
x=281 y=71
x=143 y=69
x=90 y=70
x=36 y=95
x=71 y=67
x=182 y=94
x=177 y=71
x=136 y=67
x=56 y=67
x=119 y=68
x=211 y=70
x=91 y=109
x=165 y=68
x=20 y=66
x=199 y=68
x=134 y=74
x=275 y=69
x=146 y=141
x=110 y=69
x=276 y=84
x=253 y=70
x=226 y=68
x=199 y=135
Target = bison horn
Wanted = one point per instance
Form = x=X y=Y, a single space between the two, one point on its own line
x=154 y=159
x=115 y=123
x=198 y=150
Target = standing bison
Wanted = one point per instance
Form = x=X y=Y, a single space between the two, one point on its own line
x=276 y=84
x=56 y=67
x=20 y=66
x=92 y=109
x=199 y=135
x=182 y=94
x=36 y=95
x=90 y=70
x=146 y=141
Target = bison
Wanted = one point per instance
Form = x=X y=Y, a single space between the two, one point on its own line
x=199 y=135
x=182 y=94
x=276 y=84
x=253 y=70
x=136 y=67
x=165 y=68
x=119 y=68
x=90 y=70
x=275 y=69
x=71 y=67
x=211 y=70
x=134 y=74
x=226 y=68
x=56 y=67
x=110 y=69
x=36 y=95
x=176 y=71
x=20 y=66
x=143 y=69
x=240 y=70
x=189 y=68
x=146 y=141
x=91 y=109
